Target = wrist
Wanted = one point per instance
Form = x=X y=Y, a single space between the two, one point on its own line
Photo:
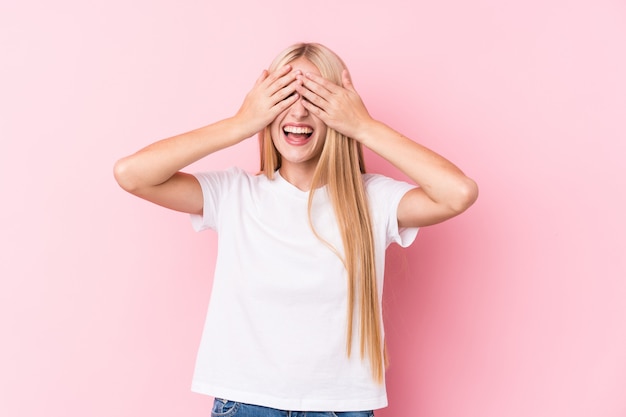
x=369 y=132
x=240 y=128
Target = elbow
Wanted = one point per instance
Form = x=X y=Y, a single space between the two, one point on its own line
x=466 y=195
x=123 y=175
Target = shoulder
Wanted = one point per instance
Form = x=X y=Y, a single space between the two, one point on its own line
x=376 y=184
x=384 y=194
x=372 y=178
x=226 y=178
x=227 y=174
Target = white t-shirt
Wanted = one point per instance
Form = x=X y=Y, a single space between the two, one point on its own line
x=275 y=332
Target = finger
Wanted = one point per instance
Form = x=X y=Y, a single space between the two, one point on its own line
x=312 y=91
x=311 y=96
x=346 y=80
x=279 y=73
x=283 y=82
x=285 y=92
x=321 y=83
x=286 y=103
x=312 y=108
x=262 y=77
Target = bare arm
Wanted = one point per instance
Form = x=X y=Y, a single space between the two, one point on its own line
x=444 y=190
x=153 y=173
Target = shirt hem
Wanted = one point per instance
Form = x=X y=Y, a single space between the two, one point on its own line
x=291 y=404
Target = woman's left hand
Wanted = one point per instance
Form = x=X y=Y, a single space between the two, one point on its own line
x=444 y=191
x=340 y=108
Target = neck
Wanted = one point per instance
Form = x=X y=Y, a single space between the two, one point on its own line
x=300 y=175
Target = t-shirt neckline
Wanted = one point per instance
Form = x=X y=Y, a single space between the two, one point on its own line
x=292 y=189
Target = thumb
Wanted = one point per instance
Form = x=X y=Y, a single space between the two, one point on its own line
x=262 y=77
x=346 y=80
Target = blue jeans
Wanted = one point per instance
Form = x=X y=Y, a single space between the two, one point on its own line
x=225 y=408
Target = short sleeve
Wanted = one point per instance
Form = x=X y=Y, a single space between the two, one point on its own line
x=384 y=196
x=215 y=186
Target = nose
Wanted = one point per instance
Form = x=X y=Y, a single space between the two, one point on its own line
x=298 y=110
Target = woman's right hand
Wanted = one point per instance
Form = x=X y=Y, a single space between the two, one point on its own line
x=270 y=96
x=153 y=173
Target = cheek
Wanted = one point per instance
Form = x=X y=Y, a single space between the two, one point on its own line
x=322 y=133
x=275 y=131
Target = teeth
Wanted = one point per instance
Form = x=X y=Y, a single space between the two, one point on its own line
x=298 y=130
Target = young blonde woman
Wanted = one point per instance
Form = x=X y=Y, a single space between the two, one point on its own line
x=294 y=325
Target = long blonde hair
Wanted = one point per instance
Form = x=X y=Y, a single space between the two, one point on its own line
x=339 y=168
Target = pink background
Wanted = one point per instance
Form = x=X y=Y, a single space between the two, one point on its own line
x=516 y=308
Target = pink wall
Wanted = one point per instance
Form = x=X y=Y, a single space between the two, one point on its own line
x=514 y=309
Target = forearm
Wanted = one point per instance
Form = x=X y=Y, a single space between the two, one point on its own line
x=441 y=180
x=158 y=162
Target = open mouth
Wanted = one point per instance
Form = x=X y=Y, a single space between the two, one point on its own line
x=297 y=133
